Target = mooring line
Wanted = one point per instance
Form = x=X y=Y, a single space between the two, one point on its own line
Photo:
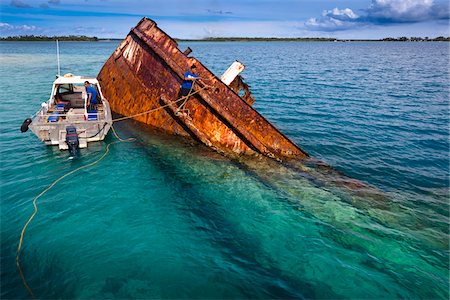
x=46 y=190
x=185 y=98
x=163 y=106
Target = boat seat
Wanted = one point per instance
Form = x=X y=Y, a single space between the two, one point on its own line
x=54 y=117
x=60 y=106
x=92 y=115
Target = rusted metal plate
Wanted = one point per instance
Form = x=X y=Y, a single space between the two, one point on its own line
x=146 y=71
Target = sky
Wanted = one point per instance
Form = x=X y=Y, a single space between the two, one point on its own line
x=344 y=19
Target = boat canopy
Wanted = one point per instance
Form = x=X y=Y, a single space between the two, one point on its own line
x=72 y=79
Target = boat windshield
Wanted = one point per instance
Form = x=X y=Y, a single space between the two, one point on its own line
x=70 y=88
x=64 y=88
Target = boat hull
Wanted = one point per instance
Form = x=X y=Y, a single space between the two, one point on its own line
x=54 y=133
x=145 y=74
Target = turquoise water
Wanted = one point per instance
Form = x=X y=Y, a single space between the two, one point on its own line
x=164 y=217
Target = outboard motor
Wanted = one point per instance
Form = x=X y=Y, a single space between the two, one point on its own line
x=25 y=124
x=72 y=140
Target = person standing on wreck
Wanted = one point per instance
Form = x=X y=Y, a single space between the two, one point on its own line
x=91 y=96
x=189 y=78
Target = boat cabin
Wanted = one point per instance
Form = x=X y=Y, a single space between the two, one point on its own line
x=70 y=89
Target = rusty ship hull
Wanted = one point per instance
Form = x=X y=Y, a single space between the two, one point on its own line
x=144 y=74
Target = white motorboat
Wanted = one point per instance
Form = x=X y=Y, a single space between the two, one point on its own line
x=65 y=120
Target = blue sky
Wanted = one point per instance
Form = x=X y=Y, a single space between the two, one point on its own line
x=220 y=18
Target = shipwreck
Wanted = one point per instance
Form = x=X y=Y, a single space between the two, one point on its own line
x=146 y=72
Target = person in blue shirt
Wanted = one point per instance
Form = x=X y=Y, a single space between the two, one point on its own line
x=188 y=81
x=92 y=96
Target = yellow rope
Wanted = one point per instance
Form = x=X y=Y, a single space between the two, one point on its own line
x=46 y=190
x=186 y=98
x=30 y=291
x=163 y=106
x=120 y=139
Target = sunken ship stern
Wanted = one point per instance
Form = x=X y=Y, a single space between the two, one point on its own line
x=145 y=73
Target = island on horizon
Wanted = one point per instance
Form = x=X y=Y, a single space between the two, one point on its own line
x=83 y=38
x=43 y=38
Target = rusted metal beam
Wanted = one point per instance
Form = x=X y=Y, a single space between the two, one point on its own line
x=186 y=119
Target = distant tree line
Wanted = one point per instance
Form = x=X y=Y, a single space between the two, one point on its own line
x=261 y=39
x=258 y=39
x=417 y=39
x=228 y=39
x=42 y=38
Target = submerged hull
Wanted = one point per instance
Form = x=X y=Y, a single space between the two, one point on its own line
x=145 y=73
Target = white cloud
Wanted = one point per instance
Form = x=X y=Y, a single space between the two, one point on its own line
x=340 y=14
x=8 y=29
x=400 y=10
x=328 y=24
x=332 y=20
x=382 y=12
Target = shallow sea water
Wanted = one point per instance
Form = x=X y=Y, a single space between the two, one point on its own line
x=164 y=217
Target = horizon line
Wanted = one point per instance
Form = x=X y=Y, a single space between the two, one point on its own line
x=402 y=38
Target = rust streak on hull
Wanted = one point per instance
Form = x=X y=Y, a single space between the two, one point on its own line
x=146 y=71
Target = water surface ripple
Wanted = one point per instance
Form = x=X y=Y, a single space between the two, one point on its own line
x=164 y=217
